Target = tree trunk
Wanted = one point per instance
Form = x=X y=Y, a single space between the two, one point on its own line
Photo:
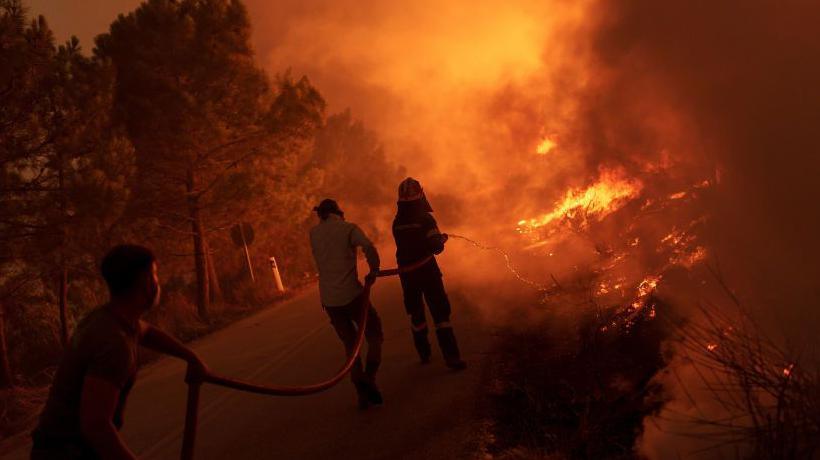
x=64 y=305
x=63 y=284
x=200 y=261
x=6 y=377
x=213 y=276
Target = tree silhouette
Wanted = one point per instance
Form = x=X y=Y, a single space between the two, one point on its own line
x=196 y=107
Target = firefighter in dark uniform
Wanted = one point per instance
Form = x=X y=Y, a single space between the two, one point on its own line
x=418 y=240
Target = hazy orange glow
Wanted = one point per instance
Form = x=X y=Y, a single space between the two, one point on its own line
x=609 y=194
x=429 y=77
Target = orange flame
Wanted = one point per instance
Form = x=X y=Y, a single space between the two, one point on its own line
x=645 y=289
x=545 y=146
x=648 y=285
x=610 y=193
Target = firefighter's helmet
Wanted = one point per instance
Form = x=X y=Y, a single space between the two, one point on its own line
x=411 y=190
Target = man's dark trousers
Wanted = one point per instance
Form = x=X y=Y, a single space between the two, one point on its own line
x=345 y=321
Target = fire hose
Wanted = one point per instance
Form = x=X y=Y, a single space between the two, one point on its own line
x=194 y=384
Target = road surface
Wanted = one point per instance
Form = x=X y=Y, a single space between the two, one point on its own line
x=428 y=411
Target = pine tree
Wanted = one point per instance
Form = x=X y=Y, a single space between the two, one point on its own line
x=60 y=159
x=196 y=107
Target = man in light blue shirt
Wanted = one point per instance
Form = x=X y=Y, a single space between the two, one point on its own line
x=334 y=242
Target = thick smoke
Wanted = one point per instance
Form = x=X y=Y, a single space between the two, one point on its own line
x=742 y=77
x=463 y=92
x=442 y=85
x=738 y=80
x=423 y=75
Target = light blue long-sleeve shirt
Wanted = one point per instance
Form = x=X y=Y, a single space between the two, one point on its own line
x=334 y=242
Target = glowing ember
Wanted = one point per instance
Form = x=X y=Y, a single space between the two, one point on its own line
x=688 y=260
x=648 y=286
x=787 y=371
x=711 y=347
x=681 y=244
x=674 y=239
x=643 y=299
x=609 y=194
x=545 y=146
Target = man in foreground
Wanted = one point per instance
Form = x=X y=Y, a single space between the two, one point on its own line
x=84 y=411
x=334 y=244
x=418 y=240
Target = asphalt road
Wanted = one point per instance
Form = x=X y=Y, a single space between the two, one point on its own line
x=428 y=411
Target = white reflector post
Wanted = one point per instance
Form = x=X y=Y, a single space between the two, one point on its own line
x=277 y=278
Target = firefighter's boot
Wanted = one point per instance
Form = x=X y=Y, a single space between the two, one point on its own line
x=422 y=344
x=449 y=348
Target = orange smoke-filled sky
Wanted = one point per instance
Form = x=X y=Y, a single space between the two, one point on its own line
x=401 y=67
x=343 y=45
x=440 y=82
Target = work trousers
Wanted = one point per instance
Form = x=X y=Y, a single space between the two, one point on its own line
x=345 y=321
x=422 y=285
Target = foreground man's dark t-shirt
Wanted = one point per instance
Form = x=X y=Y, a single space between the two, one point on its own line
x=103 y=346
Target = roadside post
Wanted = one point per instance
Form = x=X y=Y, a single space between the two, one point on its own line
x=277 y=278
x=242 y=236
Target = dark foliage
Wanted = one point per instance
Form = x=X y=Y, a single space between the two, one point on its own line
x=580 y=393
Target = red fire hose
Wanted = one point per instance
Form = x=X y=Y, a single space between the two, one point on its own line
x=192 y=409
